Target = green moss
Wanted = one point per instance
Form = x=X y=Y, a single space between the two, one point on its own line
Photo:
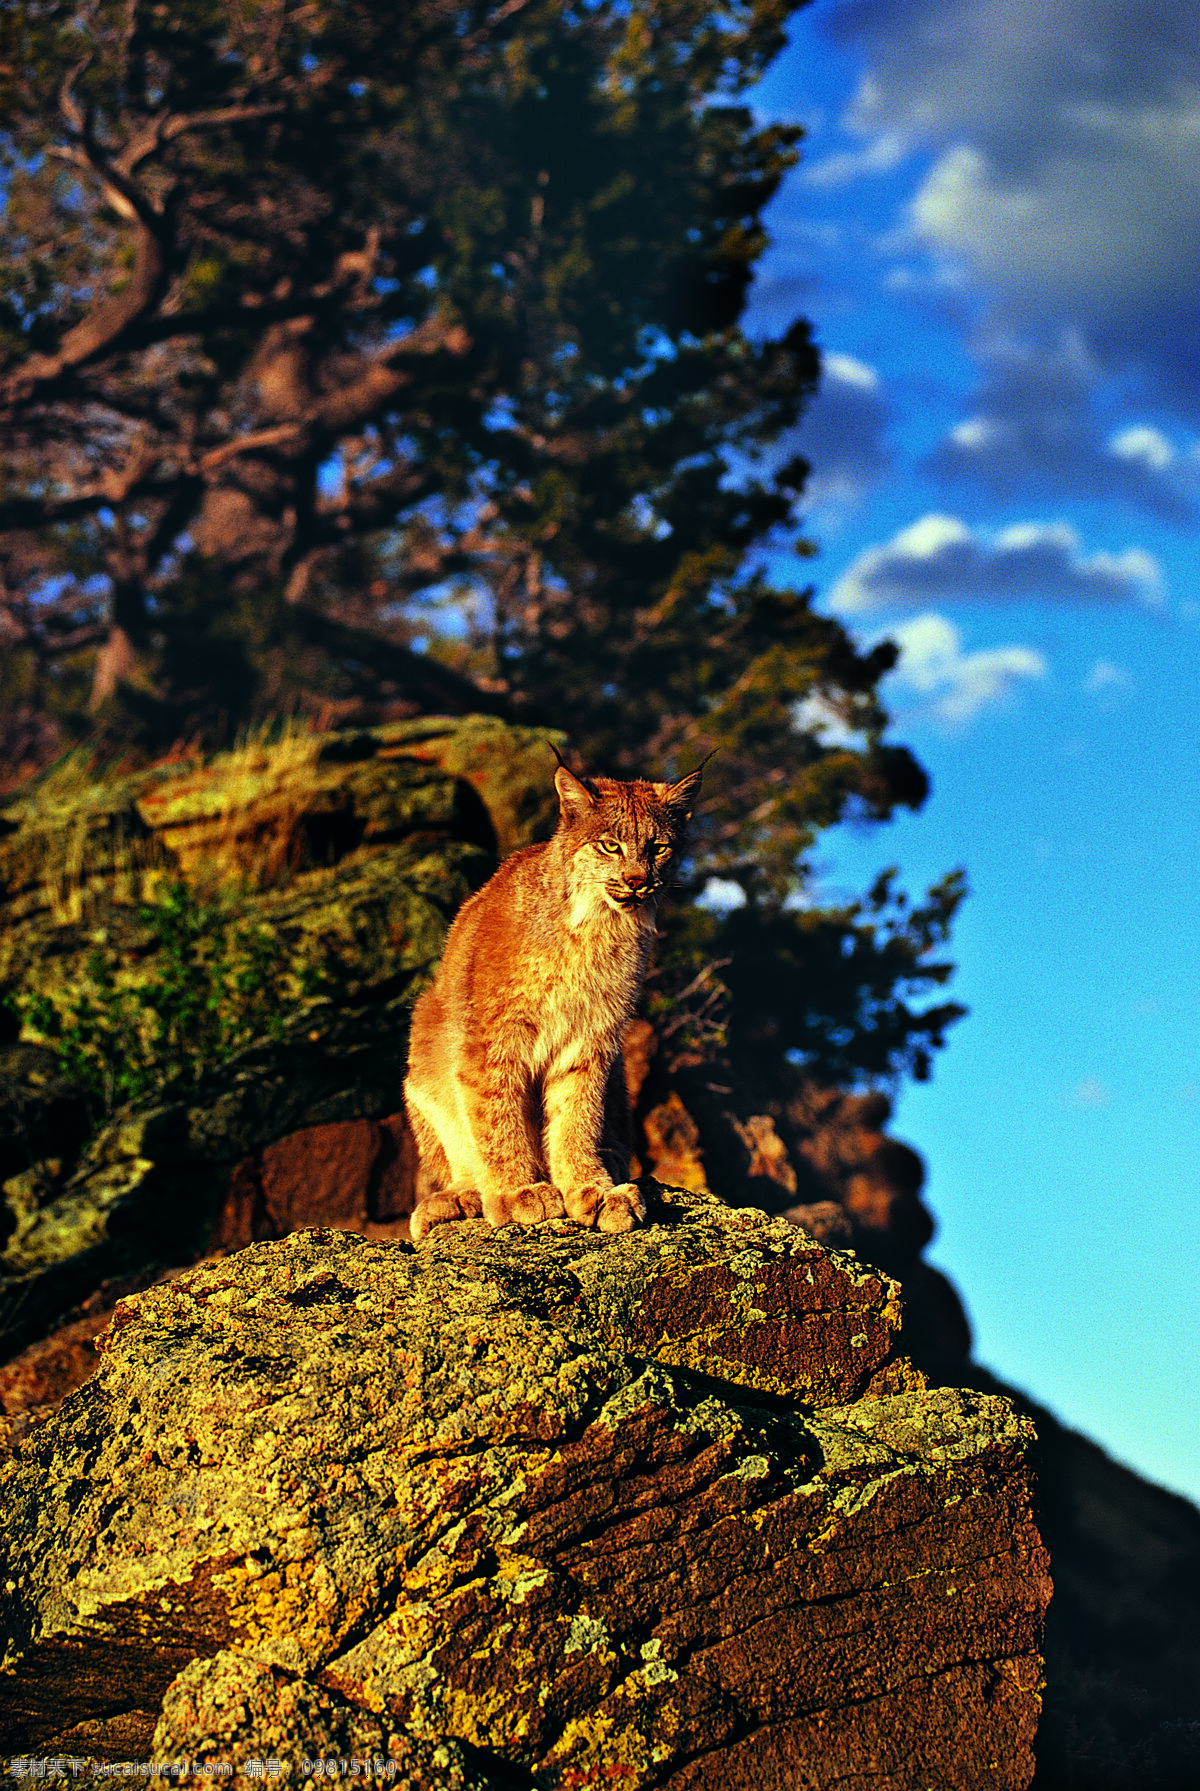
x=243 y=934
x=396 y=1482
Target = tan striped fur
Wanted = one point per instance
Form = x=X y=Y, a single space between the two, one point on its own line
x=515 y=1088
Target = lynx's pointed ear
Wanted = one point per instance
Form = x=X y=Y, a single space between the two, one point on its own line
x=574 y=796
x=682 y=796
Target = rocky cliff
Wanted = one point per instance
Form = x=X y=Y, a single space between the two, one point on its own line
x=344 y=858
x=530 y=1507
x=350 y=852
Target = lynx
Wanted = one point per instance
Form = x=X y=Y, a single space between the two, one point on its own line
x=515 y=1088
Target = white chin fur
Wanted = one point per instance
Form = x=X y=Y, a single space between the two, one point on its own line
x=638 y=907
x=593 y=900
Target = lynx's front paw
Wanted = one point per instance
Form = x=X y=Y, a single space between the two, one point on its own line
x=524 y=1206
x=443 y=1207
x=606 y=1208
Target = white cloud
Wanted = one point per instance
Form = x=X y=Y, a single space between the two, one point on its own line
x=956 y=685
x=939 y=558
x=974 y=433
x=721 y=894
x=1088 y=227
x=1089 y=1093
x=930 y=537
x=879 y=155
x=1144 y=446
x=849 y=372
x=816 y=714
x=843 y=433
x=1110 y=683
x=1033 y=429
x=1065 y=174
x=1134 y=573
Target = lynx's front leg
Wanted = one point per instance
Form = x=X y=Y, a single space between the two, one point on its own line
x=440 y=1198
x=497 y=1099
x=574 y=1101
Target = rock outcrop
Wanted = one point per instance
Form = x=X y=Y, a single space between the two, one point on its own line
x=351 y=853
x=365 y=842
x=667 y=1509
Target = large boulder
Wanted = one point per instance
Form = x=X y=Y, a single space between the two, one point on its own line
x=530 y=1505
x=351 y=853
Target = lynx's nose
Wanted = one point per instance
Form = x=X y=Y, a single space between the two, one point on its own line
x=637 y=880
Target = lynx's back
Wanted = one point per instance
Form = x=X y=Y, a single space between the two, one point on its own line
x=515 y=1082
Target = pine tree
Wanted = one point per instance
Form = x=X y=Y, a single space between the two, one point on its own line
x=360 y=358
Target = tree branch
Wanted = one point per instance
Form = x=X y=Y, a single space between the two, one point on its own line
x=329 y=416
x=23 y=634
x=355 y=403
x=166 y=129
x=102 y=330
x=473 y=41
x=274 y=437
x=352 y=405
x=372 y=506
x=436 y=687
x=115 y=487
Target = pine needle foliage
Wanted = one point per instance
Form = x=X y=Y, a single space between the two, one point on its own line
x=212 y=986
x=362 y=360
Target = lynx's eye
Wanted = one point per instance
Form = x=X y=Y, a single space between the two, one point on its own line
x=609 y=846
x=659 y=849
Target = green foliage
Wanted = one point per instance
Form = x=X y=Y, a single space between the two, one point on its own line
x=211 y=987
x=831 y=989
x=360 y=359
x=794 y=993
x=431 y=322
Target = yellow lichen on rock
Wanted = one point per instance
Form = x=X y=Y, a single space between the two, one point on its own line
x=460 y=1495
x=290 y=897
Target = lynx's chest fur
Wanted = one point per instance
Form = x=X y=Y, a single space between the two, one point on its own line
x=515 y=1081
x=584 y=982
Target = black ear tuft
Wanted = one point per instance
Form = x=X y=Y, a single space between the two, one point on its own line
x=584 y=782
x=575 y=794
x=682 y=795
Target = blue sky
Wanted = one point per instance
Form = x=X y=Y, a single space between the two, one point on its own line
x=995 y=230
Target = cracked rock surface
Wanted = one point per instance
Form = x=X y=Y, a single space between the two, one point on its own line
x=529 y=1507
